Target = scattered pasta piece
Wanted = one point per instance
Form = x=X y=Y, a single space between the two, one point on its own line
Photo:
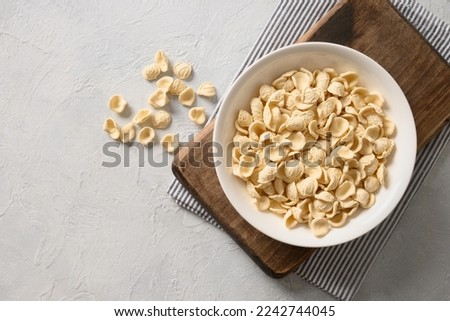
x=117 y=103
x=164 y=83
x=161 y=119
x=161 y=60
x=319 y=226
x=170 y=142
x=182 y=70
x=115 y=133
x=127 y=133
x=197 y=115
x=206 y=89
x=158 y=99
x=177 y=87
x=151 y=72
x=187 y=97
x=142 y=116
x=318 y=148
x=110 y=126
x=146 y=135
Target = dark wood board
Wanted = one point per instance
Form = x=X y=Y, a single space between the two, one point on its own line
x=375 y=28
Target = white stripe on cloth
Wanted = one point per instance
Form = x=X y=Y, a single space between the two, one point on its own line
x=340 y=270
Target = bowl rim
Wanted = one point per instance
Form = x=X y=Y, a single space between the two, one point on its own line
x=314 y=47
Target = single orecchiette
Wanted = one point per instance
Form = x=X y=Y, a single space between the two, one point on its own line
x=177 y=87
x=161 y=60
x=170 y=142
x=127 y=133
x=182 y=70
x=158 y=99
x=142 y=116
x=146 y=135
x=111 y=128
x=206 y=89
x=197 y=115
x=161 y=119
x=151 y=72
x=187 y=97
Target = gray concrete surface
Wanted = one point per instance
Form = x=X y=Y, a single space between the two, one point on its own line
x=72 y=229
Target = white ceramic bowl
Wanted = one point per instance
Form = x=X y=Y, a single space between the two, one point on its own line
x=314 y=56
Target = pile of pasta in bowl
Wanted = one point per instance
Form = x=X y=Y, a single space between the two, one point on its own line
x=313 y=148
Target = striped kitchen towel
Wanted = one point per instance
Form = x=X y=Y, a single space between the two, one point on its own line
x=340 y=270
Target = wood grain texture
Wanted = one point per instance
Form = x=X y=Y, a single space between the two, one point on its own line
x=375 y=28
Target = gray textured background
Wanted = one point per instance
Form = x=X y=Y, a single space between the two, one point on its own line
x=71 y=229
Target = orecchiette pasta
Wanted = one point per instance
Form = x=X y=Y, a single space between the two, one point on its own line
x=151 y=72
x=161 y=60
x=146 y=135
x=127 y=133
x=110 y=126
x=142 y=116
x=312 y=147
x=206 y=89
x=182 y=70
x=170 y=142
x=187 y=97
x=177 y=87
x=161 y=119
x=158 y=99
x=167 y=85
x=197 y=115
x=164 y=83
x=117 y=103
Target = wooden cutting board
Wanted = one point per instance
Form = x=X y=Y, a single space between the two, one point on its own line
x=375 y=28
